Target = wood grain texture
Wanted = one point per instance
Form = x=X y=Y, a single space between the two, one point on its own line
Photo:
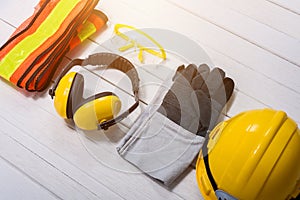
x=293 y=6
x=18 y=186
x=267 y=13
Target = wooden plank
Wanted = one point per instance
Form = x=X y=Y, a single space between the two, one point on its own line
x=14 y=12
x=235 y=23
x=6 y=31
x=35 y=167
x=292 y=6
x=265 y=91
x=267 y=13
x=19 y=186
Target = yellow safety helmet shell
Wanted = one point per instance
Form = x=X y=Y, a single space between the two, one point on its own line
x=254 y=155
x=96 y=110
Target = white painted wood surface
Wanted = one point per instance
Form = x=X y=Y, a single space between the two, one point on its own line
x=256 y=42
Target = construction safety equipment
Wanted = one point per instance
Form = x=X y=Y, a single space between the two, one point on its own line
x=96 y=111
x=32 y=54
x=253 y=156
x=169 y=133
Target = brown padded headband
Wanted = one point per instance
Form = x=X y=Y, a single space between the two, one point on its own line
x=112 y=61
x=108 y=60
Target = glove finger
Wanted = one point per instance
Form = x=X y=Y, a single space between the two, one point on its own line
x=198 y=80
x=172 y=99
x=190 y=72
x=170 y=107
x=214 y=81
x=204 y=107
x=184 y=77
x=229 y=86
x=204 y=70
x=220 y=71
x=171 y=112
x=224 y=92
x=178 y=72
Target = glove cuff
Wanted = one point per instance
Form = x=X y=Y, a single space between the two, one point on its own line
x=159 y=147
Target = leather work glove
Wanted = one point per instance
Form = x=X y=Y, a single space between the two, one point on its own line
x=167 y=136
x=197 y=97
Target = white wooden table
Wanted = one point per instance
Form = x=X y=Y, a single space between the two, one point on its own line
x=257 y=43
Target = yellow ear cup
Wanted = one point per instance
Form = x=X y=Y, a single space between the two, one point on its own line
x=62 y=94
x=90 y=114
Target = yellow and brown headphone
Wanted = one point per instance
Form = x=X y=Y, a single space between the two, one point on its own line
x=97 y=111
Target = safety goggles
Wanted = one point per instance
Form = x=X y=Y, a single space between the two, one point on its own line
x=133 y=43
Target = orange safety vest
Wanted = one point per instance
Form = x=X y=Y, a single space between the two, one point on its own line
x=33 y=52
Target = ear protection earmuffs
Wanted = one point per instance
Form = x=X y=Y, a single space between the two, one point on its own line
x=97 y=111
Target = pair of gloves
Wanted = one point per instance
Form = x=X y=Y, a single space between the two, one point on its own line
x=169 y=135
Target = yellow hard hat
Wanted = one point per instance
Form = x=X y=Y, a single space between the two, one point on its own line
x=254 y=155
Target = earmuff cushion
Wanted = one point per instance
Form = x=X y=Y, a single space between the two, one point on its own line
x=62 y=93
x=96 y=109
x=75 y=95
